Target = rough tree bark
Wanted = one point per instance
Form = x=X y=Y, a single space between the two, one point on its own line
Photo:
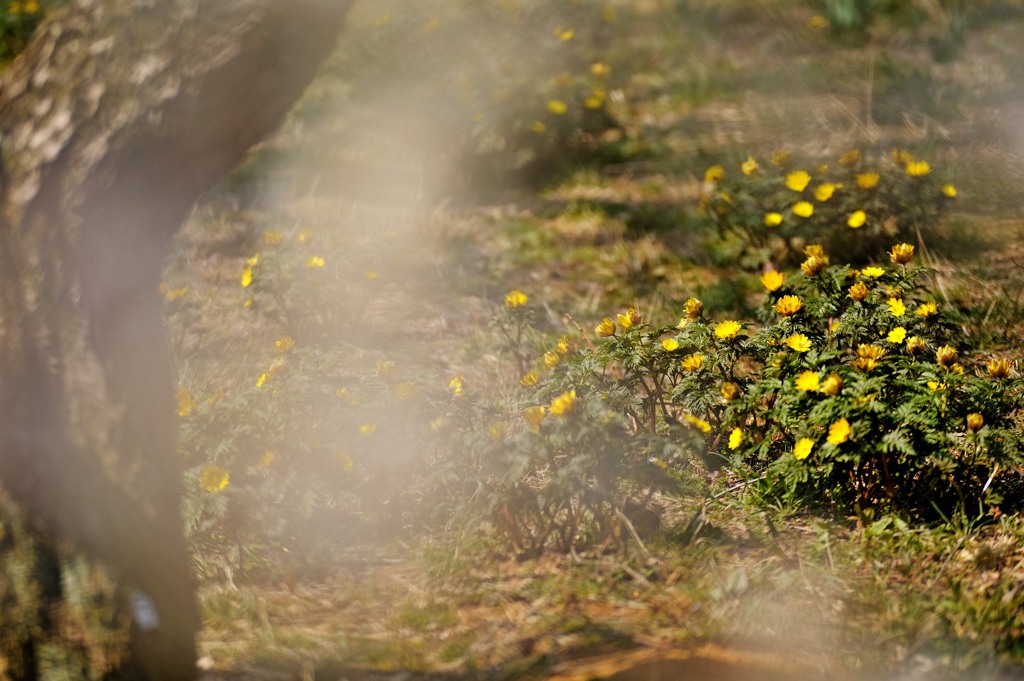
x=116 y=118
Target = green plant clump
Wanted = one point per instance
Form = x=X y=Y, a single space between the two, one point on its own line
x=768 y=210
x=851 y=396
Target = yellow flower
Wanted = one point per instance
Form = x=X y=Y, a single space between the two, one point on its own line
x=496 y=432
x=857 y=219
x=823 y=192
x=186 y=403
x=538 y=127
x=772 y=219
x=262 y=379
x=730 y=391
x=728 y=329
x=735 y=438
x=515 y=298
x=214 y=479
x=867 y=351
x=803 y=209
x=343 y=460
x=284 y=344
x=901 y=254
x=304 y=235
x=315 y=261
x=268 y=458
x=915 y=345
x=946 y=356
x=935 y=386
x=918 y=168
x=872 y=272
x=566 y=35
x=858 y=291
x=629 y=319
x=798 y=180
x=405 y=391
x=926 y=309
x=839 y=432
x=246 y=279
x=902 y=157
x=975 y=422
x=749 y=166
x=868 y=180
x=948 y=191
x=998 y=368
x=693 y=308
x=799 y=342
x=896 y=307
x=850 y=158
x=788 y=306
x=596 y=99
x=817 y=22
x=896 y=335
x=714 y=174
x=698 y=423
x=385 y=368
x=814 y=251
x=530 y=379
x=670 y=344
x=535 y=415
x=367 y=429
x=176 y=294
x=867 y=357
x=557 y=107
x=692 y=362
x=565 y=346
x=347 y=397
x=814 y=265
x=273 y=238
x=599 y=69
x=803 y=448
x=370 y=274
x=605 y=328
x=772 y=280
x=564 y=403
x=551 y=359
x=832 y=385
x=807 y=381
x=457 y=386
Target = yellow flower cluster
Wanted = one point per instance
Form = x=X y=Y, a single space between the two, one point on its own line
x=564 y=404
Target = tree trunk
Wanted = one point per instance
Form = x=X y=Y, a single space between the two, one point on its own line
x=119 y=114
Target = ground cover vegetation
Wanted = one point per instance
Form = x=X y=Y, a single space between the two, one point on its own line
x=647 y=323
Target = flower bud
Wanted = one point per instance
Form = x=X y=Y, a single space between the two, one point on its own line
x=730 y=391
x=974 y=422
x=859 y=291
x=998 y=368
x=694 y=308
x=832 y=385
x=946 y=356
x=814 y=265
x=915 y=345
x=901 y=254
x=605 y=328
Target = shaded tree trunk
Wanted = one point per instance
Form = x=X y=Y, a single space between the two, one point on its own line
x=119 y=114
